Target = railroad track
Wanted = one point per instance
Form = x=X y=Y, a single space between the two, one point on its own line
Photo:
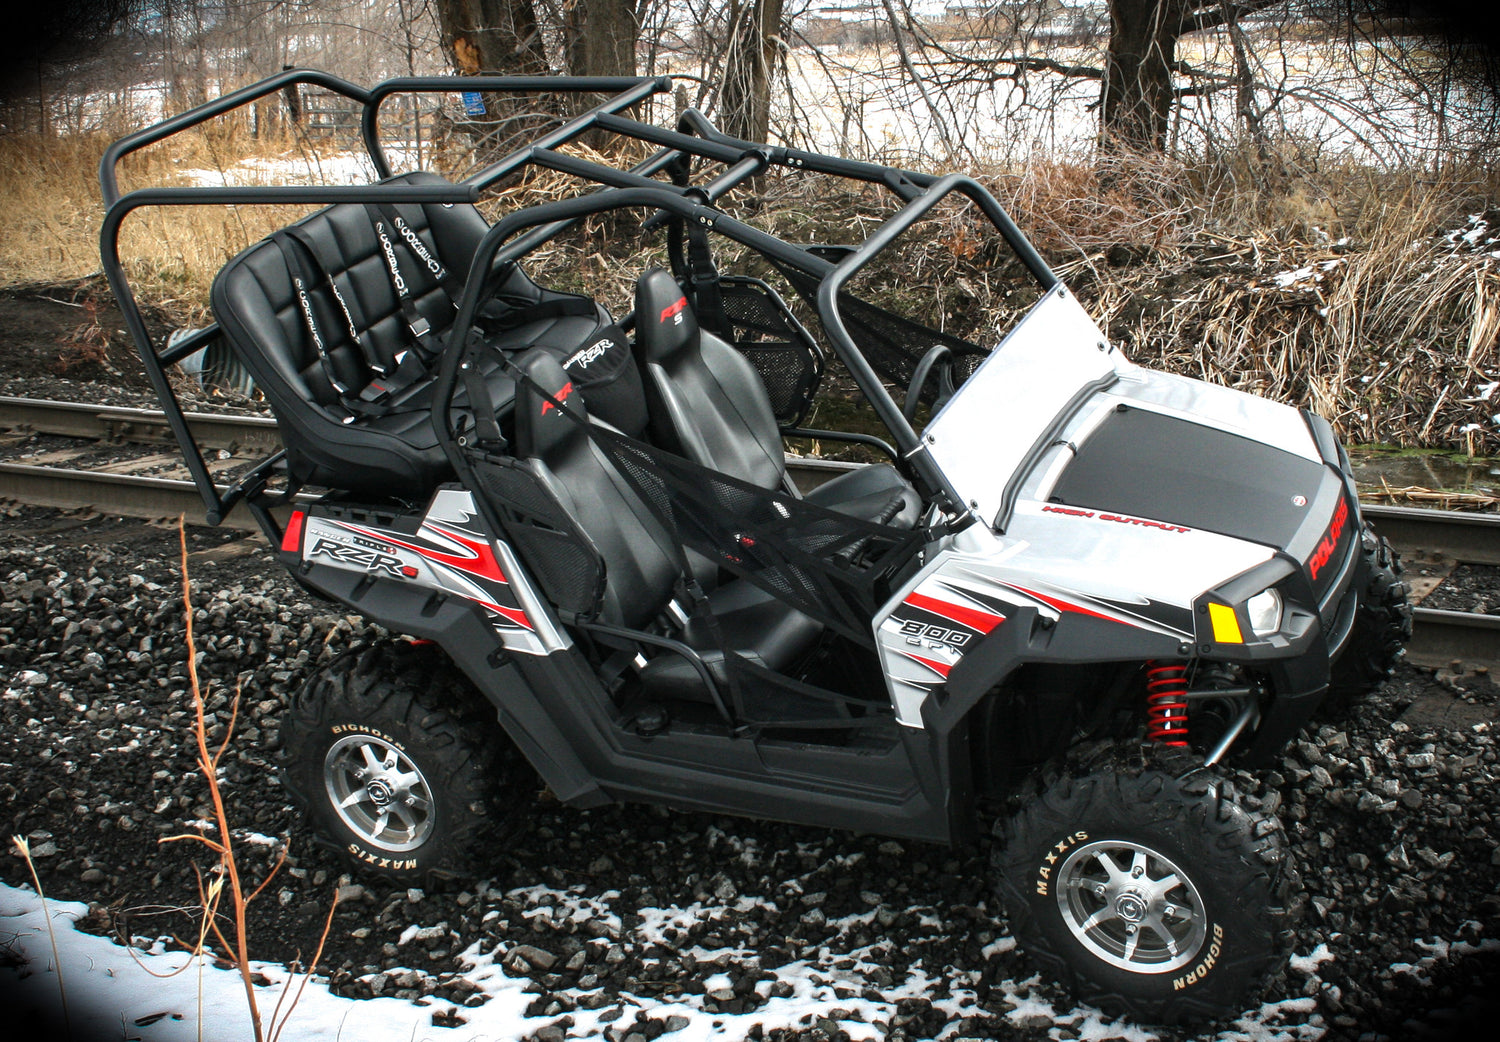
x=1436 y=540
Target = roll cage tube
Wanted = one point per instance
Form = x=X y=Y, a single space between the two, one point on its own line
x=217 y=505
x=625 y=91
x=683 y=203
x=629 y=91
x=490 y=260
x=911 y=448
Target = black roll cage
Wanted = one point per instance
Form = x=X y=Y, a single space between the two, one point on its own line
x=635 y=188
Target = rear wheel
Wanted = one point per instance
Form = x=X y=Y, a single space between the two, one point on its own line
x=1148 y=886
x=1382 y=627
x=399 y=763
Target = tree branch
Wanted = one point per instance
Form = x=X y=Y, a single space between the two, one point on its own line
x=1212 y=19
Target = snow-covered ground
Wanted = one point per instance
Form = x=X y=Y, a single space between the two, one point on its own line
x=155 y=995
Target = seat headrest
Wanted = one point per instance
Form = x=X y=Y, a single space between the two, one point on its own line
x=664 y=323
x=542 y=431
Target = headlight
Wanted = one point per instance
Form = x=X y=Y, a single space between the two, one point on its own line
x=1264 y=610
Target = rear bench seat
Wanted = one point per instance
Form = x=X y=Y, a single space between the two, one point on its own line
x=392 y=455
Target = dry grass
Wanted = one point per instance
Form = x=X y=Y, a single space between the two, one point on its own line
x=1178 y=258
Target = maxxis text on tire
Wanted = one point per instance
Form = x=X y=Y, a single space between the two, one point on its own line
x=399 y=763
x=1382 y=628
x=1148 y=844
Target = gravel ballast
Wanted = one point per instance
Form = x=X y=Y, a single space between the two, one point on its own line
x=1391 y=812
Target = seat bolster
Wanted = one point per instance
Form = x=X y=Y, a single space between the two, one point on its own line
x=871 y=493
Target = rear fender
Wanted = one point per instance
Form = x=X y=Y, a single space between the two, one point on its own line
x=460 y=629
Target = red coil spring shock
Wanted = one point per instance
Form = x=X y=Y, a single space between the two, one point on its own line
x=1166 y=702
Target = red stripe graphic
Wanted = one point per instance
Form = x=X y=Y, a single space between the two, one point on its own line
x=940 y=668
x=515 y=615
x=974 y=618
x=482 y=563
x=1062 y=605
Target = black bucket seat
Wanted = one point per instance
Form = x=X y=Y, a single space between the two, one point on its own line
x=637 y=553
x=707 y=403
x=395 y=453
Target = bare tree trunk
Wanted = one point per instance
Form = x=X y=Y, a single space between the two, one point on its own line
x=1138 y=71
x=601 y=37
x=745 y=98
x=492 y=37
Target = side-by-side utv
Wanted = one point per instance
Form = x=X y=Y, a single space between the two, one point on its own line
x=1064 y=608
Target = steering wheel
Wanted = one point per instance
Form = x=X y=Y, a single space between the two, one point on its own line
x=938 y=357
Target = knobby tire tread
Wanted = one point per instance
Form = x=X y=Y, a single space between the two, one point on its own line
x=1187 y=794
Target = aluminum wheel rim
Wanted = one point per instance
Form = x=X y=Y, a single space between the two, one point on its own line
x=379 y=792
x=1131 y=907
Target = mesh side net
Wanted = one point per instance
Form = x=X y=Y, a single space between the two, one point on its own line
x=825 y=564
x=781 y=350
x=556 y=551
x=893 y=345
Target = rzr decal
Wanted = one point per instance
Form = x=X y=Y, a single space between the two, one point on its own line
x=674 y=310
x=595 y=351
x=455 y=561
x=369 y=560
x=463 y=552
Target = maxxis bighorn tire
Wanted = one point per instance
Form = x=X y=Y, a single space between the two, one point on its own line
x=1382 y=627
x=1147 y=844
x=399 y=763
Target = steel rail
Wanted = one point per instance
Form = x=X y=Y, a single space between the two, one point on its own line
x=1469 y=538
x=125 y=495
x=248 y=435
x=1440 y=636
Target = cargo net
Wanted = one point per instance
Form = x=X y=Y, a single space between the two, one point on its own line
x=892 y=344
x=785 y=355
x=825 y=564
x=560 y=556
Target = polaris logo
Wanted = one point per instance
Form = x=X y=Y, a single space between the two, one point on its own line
x=1330 y=540
x=369 y=560
x=589 y=354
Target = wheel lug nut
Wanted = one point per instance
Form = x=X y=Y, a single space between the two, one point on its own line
x=1137 y=872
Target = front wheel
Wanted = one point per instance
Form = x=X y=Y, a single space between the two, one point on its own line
x=399 y=763
x=1382 y=627
x=1148 y=887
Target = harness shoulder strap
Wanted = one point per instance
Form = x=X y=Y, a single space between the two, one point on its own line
x=321 y=263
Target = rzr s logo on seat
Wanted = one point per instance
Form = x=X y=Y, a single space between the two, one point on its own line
x=561 y=396
x=369 y=560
